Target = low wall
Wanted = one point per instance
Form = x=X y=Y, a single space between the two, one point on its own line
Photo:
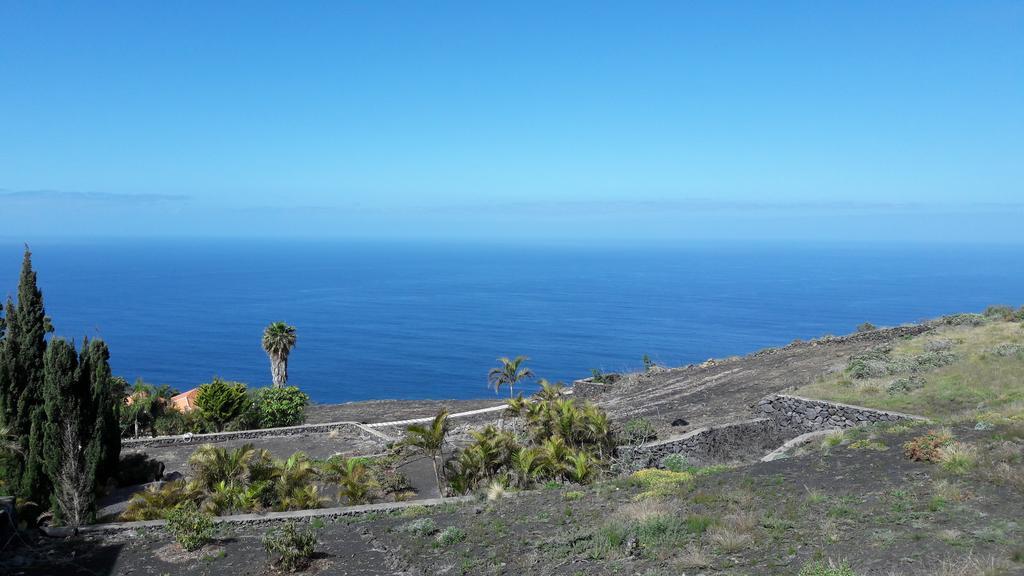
x=267 y=518
x=806 y=414
x=744 y=440
x=349 y=428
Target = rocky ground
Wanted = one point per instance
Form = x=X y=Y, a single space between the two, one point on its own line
x=857 y=501
x=853 y=498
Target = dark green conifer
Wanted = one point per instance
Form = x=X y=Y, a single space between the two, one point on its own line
x=21 y=383
x=63 y=397
x=104 y=447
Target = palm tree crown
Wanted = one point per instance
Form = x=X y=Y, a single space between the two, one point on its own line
x=429 y=439
x=509 y=374
x=278 y=341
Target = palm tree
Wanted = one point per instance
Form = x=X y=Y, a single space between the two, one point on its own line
x=278 y=341
x=212 y=465
x=509 y=374
x=155 y=501
x=430 y=441
x=352 y=477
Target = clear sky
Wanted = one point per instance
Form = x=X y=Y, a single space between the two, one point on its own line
x=569 y=121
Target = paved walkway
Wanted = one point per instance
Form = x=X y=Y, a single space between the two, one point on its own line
x=431 y=418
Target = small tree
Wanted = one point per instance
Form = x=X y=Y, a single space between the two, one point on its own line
x=430 y=441
x=74 y=492
x=278 y=341
x=222 y=402
x=273 y=407
x=509 y=373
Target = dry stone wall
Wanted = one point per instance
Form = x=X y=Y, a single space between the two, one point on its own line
x=806 y=415
x=728 y=442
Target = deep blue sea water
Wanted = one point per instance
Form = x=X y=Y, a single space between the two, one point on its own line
x=428 y=320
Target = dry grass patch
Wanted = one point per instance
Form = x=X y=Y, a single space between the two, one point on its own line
x=971 y=565
x=727 y=540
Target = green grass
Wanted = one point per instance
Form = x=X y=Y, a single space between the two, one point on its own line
x=978 y=384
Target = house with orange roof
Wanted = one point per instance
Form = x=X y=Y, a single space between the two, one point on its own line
x=186 y=401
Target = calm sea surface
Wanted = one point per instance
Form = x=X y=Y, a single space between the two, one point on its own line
x=428 y=321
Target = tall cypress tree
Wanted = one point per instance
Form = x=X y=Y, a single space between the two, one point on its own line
x=22 y=359
x=63 y=397
x=104 y=448
x=10 y=466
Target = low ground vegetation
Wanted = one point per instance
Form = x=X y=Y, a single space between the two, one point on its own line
x=247 y=479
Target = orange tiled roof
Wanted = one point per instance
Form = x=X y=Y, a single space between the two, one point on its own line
x=186 y=401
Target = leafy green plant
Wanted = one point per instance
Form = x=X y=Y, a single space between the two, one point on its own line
x=429 y=440
x=290 y=547
x=222 y=402
x=450 y=536
x=155 y=502
x=420 y=527
x=509 y=373
x=276 y=407
x=191 y=527
x=638 y=431
x=675 y=463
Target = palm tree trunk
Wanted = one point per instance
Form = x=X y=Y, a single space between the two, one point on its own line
x=437 y=476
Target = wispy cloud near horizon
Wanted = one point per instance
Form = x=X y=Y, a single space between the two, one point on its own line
x=29 y=198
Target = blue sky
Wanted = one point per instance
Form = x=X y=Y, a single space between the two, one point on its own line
x=569 y=121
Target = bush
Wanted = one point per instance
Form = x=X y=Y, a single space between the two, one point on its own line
x=449 y=536
x=420 y=527
x=675 y=463
x=1005 y=313
x=638 y=431
x=905 y=385
x=957 y=457
x=927 y=448
x=189 y=526
x=276 y=407
x=866 y=327
x=290 y=547
x=222 y=402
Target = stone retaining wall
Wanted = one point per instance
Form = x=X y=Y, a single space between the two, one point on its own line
x=713 y=444
x=348 y=428
x=268 y=518
x=806 y=414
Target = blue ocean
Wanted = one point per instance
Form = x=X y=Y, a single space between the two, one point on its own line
x=417 y=320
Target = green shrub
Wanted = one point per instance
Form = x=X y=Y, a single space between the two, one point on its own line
x=449 y=536
x=572 y=495
x=221 y=402
x=420 y=527
x=638 y=431
x=276 y=407
x=289 y=547
x=866 y=327
x=1005 y=313
x=905 y=385
x=191 y=527
x=675 y=463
